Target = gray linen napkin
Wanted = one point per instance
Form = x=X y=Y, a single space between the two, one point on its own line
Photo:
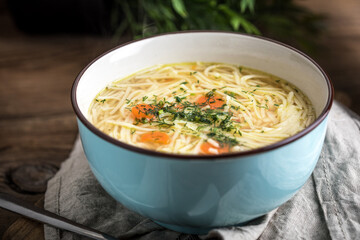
x=327 y=206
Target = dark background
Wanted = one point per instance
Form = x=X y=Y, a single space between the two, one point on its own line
x=42 y=49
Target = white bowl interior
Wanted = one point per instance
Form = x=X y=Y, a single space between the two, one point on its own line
x=237 y=49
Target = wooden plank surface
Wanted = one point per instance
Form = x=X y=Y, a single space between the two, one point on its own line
x=37 y=124
x=341 y=42
x=24 y=228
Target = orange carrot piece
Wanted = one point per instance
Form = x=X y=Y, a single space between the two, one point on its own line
x=214 y=102
x=206 y=146
x=179 y=106
x=142 y=111
x=201 y=100
x=155 y=137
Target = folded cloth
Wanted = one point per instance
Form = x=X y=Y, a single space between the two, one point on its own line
x=327 y=206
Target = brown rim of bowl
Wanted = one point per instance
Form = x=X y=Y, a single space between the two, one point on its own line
x=144 y=151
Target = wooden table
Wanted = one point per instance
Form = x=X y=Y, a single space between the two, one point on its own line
x=37 y=124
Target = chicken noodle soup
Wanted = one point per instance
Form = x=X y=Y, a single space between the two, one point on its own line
x=201 y=108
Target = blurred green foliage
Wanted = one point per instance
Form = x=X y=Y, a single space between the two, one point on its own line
x=284 y=20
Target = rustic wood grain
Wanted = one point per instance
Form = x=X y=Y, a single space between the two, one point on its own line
x=26 y=229
x=37 y=124
x=341 y=42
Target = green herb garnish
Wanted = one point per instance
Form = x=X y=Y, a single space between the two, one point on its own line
x=266 y=106
x=231 y=94
x=211 y=93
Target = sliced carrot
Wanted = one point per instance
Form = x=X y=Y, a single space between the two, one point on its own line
x=155 y=137
x=143 y=111
x=208 y=148
x=201 y=100
x=213 y=102
x=179 y=106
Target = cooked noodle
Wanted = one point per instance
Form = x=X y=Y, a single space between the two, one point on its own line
x=201 y=108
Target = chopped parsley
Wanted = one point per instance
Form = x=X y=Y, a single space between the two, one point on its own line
x=102 y=101
x=266 y=106
x=178 y=99
x=235 y=108
x=211 y=93
x=231 y=94
x=222 y=139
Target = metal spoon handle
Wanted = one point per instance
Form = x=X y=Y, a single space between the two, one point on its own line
x=23 y=208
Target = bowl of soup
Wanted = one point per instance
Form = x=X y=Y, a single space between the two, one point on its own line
x=202 y=130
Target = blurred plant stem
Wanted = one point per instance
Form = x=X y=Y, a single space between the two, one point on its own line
x=284 y=20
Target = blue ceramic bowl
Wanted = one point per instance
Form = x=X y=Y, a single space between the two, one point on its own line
x=194 y=194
